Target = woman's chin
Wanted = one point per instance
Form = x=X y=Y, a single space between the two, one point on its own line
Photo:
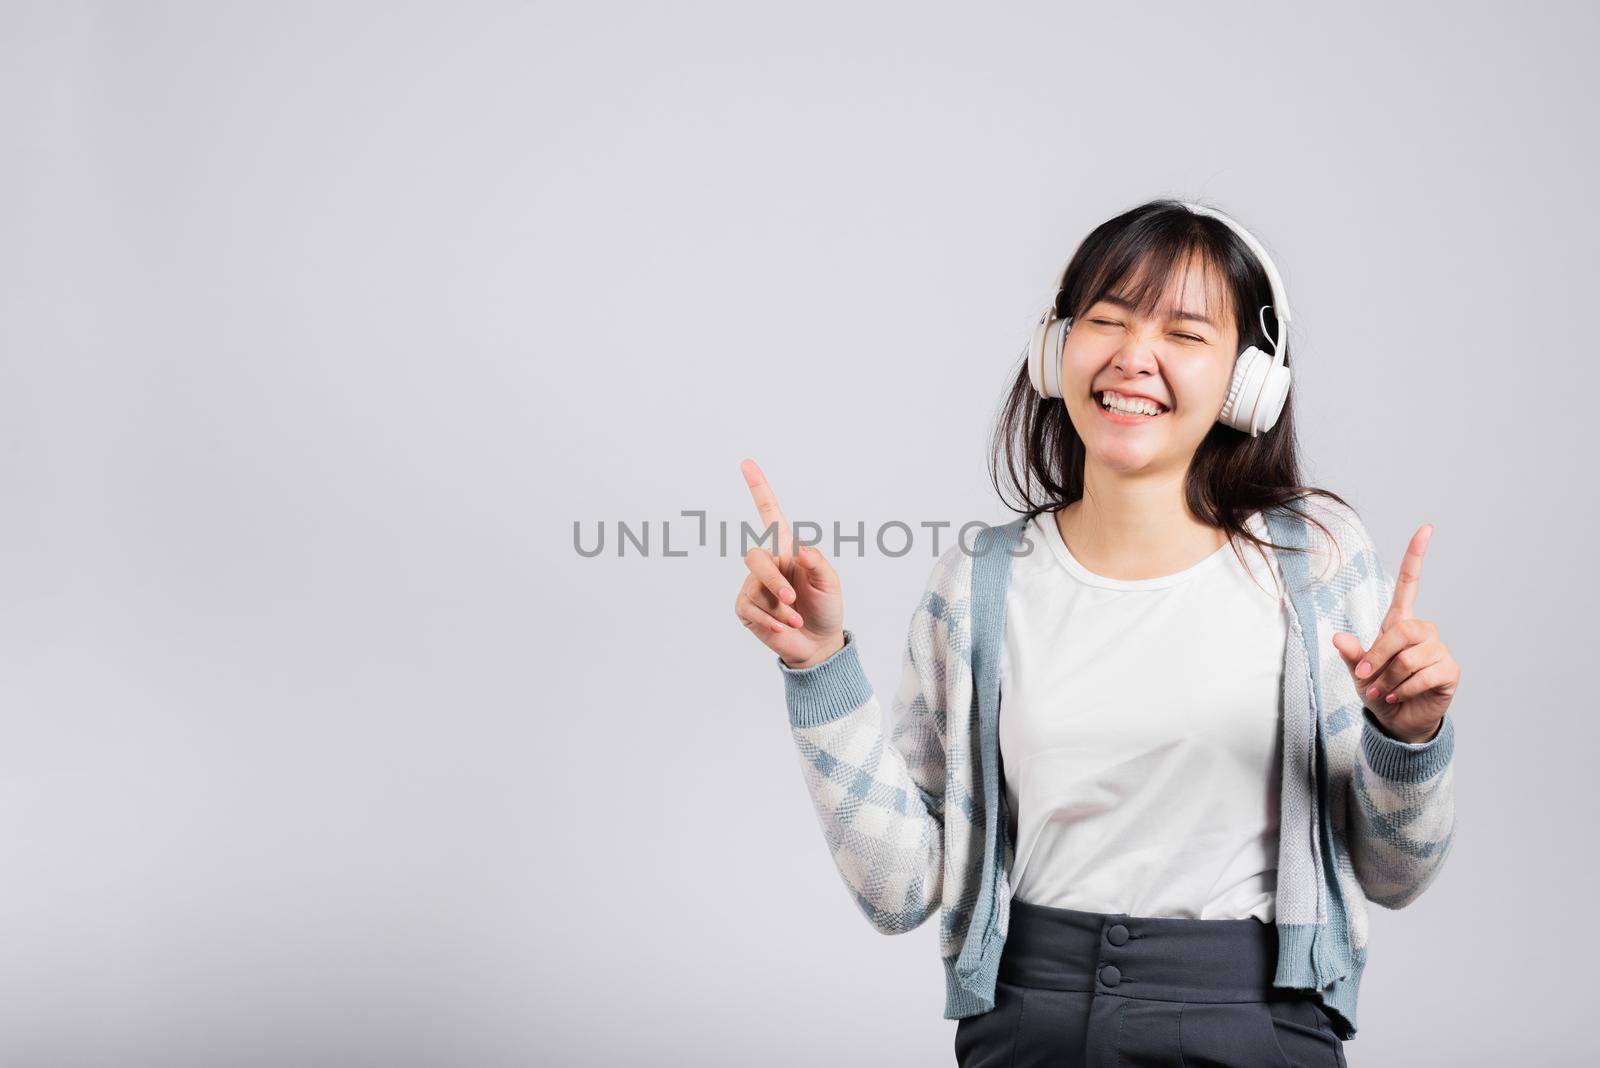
x=1129 y=457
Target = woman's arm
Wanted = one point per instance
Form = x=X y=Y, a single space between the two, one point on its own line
x=880 y=802
x=1401 y=801
x=1402 y=812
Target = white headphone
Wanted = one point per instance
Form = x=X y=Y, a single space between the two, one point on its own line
x=1260 y=383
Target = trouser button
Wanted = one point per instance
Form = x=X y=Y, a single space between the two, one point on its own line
x=1110 y=975
x=1117 y=934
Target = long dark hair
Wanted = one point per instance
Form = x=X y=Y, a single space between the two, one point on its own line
x=1232 y=474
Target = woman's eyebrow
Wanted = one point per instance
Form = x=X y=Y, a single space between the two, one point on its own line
x=1193 y=315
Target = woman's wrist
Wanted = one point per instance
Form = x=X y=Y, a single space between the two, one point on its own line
x=1427 y=736
x=828 y=651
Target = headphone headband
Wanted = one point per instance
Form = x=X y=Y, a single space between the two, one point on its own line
x=1280 y=299
x=1280 y=296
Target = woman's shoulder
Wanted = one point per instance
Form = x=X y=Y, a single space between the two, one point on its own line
x=951 y=574
x=974 y=545
x=1336 y=539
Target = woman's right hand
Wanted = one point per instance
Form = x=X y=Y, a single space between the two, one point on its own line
x=791 y=601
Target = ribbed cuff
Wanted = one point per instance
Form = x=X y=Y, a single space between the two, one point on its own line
x=1407 y=761
x=959 y=1002
x=826 y=691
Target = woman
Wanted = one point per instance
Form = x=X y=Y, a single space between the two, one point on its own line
x=1210 y=759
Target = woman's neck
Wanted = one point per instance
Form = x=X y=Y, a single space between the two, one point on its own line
x=1135 y=528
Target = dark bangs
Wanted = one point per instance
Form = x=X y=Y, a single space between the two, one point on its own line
x=1139 y=263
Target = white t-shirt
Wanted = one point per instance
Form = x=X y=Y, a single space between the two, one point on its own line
x=1140 y=733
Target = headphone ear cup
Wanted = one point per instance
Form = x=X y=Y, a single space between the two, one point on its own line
x=1044 y=355
x=1035 y=354
x=1236 y=387
x=1274 y=395
x=1056 y=346
x=1257 y=393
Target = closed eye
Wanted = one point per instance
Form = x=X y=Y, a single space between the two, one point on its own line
x=1109 y=322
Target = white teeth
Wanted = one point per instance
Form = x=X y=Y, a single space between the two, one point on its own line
x=1129 y=404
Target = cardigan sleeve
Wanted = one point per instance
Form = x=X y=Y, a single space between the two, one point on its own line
x=1401 y=803
x=879 y=798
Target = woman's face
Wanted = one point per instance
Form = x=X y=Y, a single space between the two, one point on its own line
x=1181 y=358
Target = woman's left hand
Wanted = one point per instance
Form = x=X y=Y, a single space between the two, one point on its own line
x=1408 y=677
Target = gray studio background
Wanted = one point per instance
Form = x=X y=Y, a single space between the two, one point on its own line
x=321 y=325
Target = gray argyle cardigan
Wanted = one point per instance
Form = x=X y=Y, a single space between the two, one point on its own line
x=916 y=820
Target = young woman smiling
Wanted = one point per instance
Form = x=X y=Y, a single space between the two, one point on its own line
x=1210 y=759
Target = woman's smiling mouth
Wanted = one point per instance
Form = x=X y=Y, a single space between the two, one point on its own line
x=1125 y=409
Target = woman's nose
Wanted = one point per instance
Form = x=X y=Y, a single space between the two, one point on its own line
x=1136 y=355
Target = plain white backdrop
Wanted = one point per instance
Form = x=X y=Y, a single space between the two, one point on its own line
x=322 y=324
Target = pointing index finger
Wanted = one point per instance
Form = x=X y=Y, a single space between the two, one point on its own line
x=1410 y=576
x=767 y=508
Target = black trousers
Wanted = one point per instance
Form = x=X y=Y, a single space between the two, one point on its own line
x=1109 y=990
